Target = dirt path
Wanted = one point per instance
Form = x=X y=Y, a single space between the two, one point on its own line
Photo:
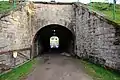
x=57 y=67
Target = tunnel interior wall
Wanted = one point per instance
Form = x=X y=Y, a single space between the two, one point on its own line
x=37 y=47
x=97 y=39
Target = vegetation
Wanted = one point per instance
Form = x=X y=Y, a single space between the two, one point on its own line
x=106 y=10
x=20 y=72
x=5 y=6
x=100 y=73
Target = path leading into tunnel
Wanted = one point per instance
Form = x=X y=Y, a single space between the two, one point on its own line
x=58 y=67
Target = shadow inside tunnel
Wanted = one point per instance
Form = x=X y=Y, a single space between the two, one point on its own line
x=42 y=44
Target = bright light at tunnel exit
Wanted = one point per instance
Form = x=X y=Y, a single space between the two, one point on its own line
x=54 y=42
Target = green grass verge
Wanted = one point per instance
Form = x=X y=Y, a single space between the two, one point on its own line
x=5 y=6
x=107 y=10
x=99 y=73
x=19 y=72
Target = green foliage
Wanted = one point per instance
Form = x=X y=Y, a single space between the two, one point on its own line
x=99 y=6
x=107 y=10
x=19 y=72
x=100 y=73
x=5 y=6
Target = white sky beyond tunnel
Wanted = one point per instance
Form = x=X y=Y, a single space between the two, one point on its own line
x=82 y=1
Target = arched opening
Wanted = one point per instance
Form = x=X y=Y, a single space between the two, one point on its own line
x=42 y=38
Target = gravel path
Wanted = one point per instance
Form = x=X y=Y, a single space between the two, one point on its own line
x=57 y=67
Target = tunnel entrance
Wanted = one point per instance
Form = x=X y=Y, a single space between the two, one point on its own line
x=42 y=43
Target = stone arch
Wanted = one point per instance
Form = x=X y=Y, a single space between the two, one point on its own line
x=39 y=45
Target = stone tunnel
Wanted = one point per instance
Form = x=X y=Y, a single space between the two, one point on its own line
x=82 y=32
x=42 y=39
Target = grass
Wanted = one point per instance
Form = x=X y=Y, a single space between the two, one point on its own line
x=100 y=73
x=107 y=10
x=20 y=72
x=5 y=6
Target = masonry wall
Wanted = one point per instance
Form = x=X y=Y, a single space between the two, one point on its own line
x=14 y=35
x=52 y=13
x=14 y=31
x=49 y=14
x=97 y=39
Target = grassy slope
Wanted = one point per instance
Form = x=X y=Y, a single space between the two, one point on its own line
x=107 y=10
x=5 y=6
x=99 y=73
x=19 y=72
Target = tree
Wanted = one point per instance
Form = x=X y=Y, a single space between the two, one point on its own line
x=114 y=1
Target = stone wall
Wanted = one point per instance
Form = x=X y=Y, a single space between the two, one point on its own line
x=14 y=35
x=52 y=13
x=14 y=31
x=48 y=14
x=97 y=39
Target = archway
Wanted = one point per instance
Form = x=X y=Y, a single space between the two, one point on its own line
x=41 y=42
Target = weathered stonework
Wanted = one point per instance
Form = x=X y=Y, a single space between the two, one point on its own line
x=51 y=13
x=14 y=35
x=47 y=14
x=97 y=39
x=14 y=31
